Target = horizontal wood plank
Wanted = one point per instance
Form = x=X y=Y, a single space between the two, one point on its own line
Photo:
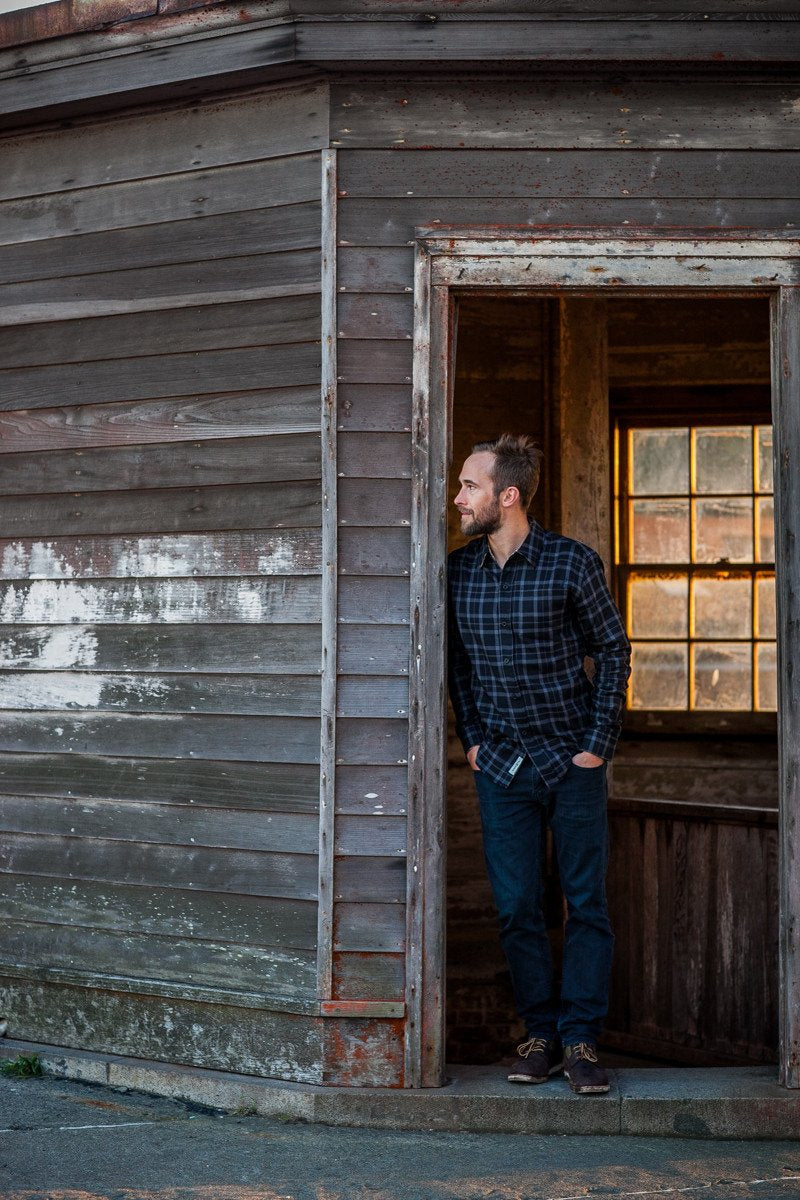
x=271 y=787
x=282 y=600
x=126 y=735
x=372 y=696
x=727 y=173
x=171 y=1024
x=376 y=503
x=370 y=835
x=232 y=648
x=210 y=327
x=254 y=231
x=687 y=366
x=166 y=140
x=293 y=876
x=136 y=955
x=171 y=419
x=375 y=927
x=150 y=376
x=379 y=316
x=371 y=790
x=244 y=694
x=372 y=455
x=368 y=976
x=274 y=694
x=374 y=649
x=698 y=785
x=564 y=114
x=535 y=38
x=379 y=742
x=294 y=179
x=376 y=599
x=373 y=551
x=251 y=506
x=373 y=269
x=366 y=361
x=279 y=458
x=383 y=407
x=204 y=282
x=165 y=824
x=168 y=912
x=289 y=552
x=379 y=222
x=370 y=880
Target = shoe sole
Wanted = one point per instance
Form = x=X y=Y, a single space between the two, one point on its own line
x=536 y=1078
x=588 y=1089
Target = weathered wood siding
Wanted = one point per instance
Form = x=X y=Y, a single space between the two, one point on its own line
x=160 y=581
x=415 y=152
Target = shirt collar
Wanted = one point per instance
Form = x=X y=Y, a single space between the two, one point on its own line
x=529 y=550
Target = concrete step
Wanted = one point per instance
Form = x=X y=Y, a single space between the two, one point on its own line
x=702 y=1102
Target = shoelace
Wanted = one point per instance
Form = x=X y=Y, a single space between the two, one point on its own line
x=585 y=1051
x=534 y=1045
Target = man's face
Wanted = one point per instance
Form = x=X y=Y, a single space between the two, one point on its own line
x=476 y=501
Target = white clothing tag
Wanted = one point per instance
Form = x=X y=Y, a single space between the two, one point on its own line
x=515 y=766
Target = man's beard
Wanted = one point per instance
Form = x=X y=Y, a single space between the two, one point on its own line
x=488 y=522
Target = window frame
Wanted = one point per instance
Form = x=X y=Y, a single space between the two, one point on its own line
x=632 y=408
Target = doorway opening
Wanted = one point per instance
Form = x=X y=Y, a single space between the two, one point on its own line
x=654 y=414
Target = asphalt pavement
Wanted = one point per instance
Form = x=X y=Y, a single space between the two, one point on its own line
x=63 y=1140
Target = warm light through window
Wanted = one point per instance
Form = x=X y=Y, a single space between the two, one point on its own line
x=695 y=556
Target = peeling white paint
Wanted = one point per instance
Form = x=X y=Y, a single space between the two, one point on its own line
x=251 y=604
x=161 y=556
x=51 y=691
x=175 y=600
x=277 y=560
x=36 y=560
x=68 y=648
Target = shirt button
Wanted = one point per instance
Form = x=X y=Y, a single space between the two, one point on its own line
x=506 y=662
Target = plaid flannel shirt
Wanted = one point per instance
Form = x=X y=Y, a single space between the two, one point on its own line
x=518 y=639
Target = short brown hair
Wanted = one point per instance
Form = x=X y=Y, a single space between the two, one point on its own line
x=517 y=463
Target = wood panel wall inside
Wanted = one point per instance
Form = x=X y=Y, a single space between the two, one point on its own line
x=160 y=582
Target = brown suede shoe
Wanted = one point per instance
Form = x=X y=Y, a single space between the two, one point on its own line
x=585 y=1075
x=537 y=1059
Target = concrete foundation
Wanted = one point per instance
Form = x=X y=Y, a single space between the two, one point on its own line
x=739 y=1102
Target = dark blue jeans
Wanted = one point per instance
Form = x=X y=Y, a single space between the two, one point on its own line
x=513 y=821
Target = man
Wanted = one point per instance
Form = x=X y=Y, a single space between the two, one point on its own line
x=526 y=608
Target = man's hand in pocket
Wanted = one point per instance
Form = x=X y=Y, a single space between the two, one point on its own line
x=584 y=758
x=472 y=757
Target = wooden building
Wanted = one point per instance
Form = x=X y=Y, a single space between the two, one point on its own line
x=265 y=271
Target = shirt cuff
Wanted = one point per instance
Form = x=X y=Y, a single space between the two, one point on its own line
x=601 y=742
x=470 y=736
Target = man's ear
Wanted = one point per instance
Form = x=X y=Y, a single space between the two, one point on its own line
x=509 y=496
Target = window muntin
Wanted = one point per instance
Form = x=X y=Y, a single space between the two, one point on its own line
x=695 y=560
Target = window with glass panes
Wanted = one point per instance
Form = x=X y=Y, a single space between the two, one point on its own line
x=695 y=562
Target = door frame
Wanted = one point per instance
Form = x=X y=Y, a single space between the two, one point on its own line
x=595 y=263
